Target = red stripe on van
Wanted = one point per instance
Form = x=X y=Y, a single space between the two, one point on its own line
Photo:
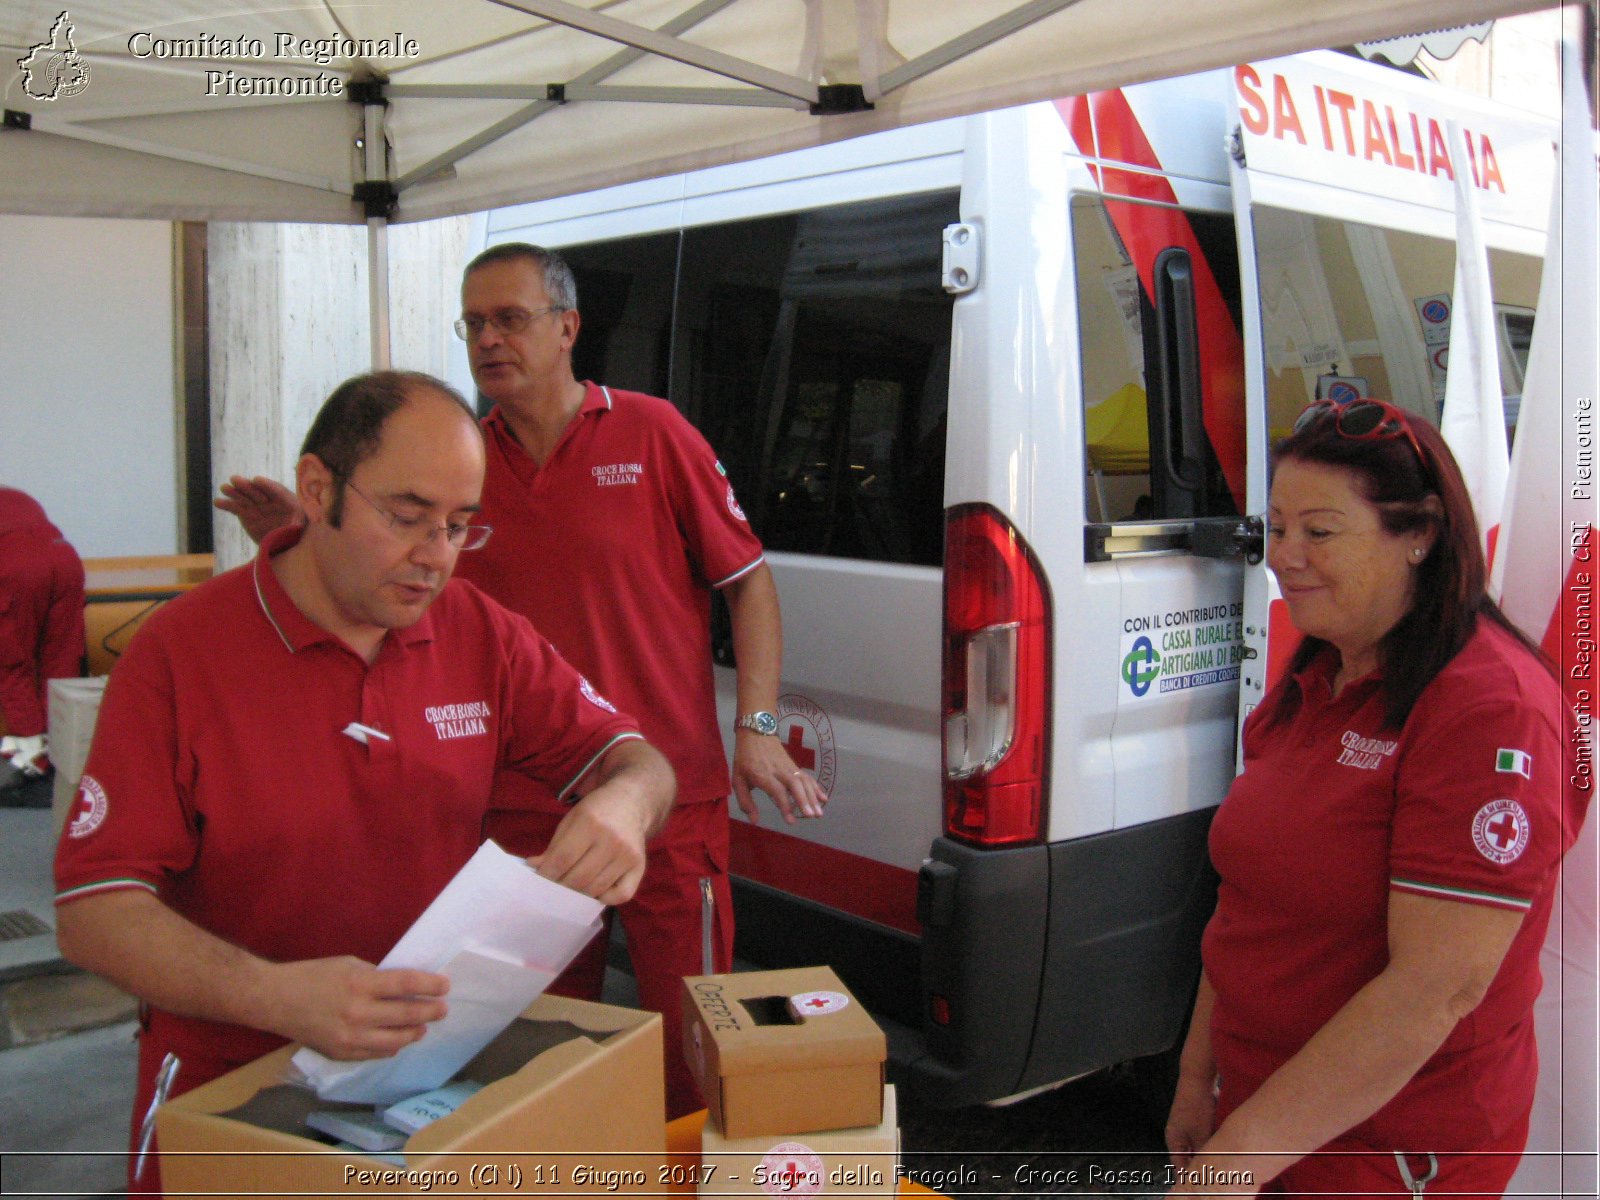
x=1114 y=134
x=1075 y=112
x=862 y=887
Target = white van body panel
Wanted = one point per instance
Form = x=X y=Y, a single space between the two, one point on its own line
x=881 y=698
x=1017 y=959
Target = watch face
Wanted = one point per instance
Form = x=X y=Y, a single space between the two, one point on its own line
x=761 y=722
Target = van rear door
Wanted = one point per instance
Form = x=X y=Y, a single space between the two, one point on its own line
x=1343 y=186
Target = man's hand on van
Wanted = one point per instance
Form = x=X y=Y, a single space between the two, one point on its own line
x=762 y=762
x=261 y=504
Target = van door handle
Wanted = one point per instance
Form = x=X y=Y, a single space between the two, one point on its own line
x=1178 y=346
x=1228 y=537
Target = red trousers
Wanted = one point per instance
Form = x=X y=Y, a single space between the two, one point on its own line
x=1349 y=1166
x=662 y=921
x=41 y=624
x=1345 y=1167
x=193 y=1071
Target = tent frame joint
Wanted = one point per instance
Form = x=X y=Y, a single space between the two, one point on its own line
x=368 y=90
x=378 y=198
x=836 y=98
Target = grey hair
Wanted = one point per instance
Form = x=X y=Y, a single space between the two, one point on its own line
x=559 y=284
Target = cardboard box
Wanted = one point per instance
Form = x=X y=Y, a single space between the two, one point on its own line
x=838 y=1162
x=783 y=1052
x=74 y=704
x=573 y=1105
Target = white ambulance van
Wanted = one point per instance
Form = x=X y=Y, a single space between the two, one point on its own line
x=997 y=395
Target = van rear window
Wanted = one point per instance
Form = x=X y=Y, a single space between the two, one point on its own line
x=1356 y=309
x=813 y=351
x=1162 y=356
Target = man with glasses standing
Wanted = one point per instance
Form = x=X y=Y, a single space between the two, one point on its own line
x=614 y=525
x=619 y=524
x=294 y=759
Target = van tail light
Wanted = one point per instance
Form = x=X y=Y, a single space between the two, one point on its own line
x=996 y=681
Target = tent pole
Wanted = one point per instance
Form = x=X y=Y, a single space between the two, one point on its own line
x=375 y=156
x=378 y=289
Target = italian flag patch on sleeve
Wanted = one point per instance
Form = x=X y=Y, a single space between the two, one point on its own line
x=1513 y=762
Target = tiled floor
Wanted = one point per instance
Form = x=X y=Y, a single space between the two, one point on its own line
x=64 y=1099
x=64 y=1113
x=25 y=844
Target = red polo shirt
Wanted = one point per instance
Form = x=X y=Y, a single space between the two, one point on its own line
x=1466 y=802
x=611 y=549
x=41 y=612
x=221 y=777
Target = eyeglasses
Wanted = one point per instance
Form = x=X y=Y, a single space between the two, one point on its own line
x=508 y=320
x=419 y=531
x=1364 y=420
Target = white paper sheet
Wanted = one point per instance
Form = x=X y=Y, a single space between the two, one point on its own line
x=501 y=933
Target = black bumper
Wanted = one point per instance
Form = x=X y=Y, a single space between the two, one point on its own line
x=1044 y=962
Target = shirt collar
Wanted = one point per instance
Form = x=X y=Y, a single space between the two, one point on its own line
x=1315 y=680
x=596 y=399
x=297 y=630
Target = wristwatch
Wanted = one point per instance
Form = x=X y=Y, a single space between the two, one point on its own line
x=758 y=722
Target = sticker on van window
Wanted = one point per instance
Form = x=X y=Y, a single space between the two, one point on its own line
x=807 y=734
x=1434 y=314
x=1178 y=649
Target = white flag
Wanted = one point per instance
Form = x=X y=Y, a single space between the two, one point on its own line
x=1474 y=420
x=1545 y=576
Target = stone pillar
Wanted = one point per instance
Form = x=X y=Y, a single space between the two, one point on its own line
x=288 y=321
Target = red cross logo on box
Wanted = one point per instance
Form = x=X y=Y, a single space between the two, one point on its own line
x=817 y=1004
x=789 y=1169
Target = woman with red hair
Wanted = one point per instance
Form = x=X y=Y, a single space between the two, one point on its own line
x=1388 y=856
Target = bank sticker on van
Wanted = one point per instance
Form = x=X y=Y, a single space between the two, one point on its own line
x=1174 y=650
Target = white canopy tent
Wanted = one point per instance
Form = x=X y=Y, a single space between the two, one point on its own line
x=403 y=110
x=152 y=108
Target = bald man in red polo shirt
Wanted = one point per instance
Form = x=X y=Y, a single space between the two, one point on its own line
x=614 y=525
x=295 y=758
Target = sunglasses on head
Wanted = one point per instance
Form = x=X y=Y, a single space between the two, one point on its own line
x=1363 y=420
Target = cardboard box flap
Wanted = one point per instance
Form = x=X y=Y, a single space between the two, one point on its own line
x=257 y=1095
x=236 y=1089
x=523 y=1041
x=560 y=1049
x=285 y=1107
x=598 y=1019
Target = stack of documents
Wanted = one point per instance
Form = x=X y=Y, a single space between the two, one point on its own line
x=502 y=933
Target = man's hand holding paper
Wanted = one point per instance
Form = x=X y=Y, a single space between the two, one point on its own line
x=497 y=936
x=348 y=1009
x=599 y=847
